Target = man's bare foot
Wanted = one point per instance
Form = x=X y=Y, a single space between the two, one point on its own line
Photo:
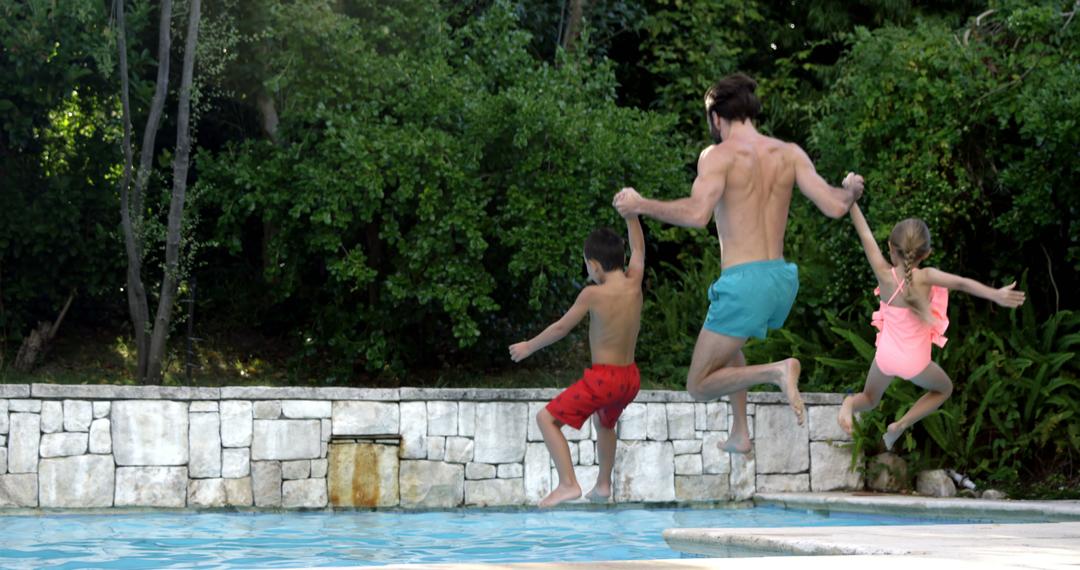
x=896 y=429
x=789 y=383
x=738 y=442
x=846 y=417
x=599 y=494
x=560 y=494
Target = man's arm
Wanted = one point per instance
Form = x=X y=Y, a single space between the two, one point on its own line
x=556 y=331
x=694 y=211
x=636 y=268
x=833 y=202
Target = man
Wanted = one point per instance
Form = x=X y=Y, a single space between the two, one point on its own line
x=745 y=182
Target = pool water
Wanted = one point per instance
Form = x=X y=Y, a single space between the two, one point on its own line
x=290 y=540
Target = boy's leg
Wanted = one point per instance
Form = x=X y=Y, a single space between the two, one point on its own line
x=876 y=383
x=938 y=387
x=568 y=488
x=605 y=451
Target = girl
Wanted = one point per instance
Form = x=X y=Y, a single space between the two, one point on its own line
x=911 y=317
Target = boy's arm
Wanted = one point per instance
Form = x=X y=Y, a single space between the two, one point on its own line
x=1006 y=296
x=556 y=331
x=833 y=202
x=870 y=246
x=636 y=268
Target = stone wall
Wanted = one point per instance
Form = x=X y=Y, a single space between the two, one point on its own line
x=135 y=446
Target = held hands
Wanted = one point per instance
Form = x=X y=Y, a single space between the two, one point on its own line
x=1007 y=296
x=854 y=183
x=627 y=202
x=520 y=351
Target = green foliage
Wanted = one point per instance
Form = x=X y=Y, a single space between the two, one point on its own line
x=448 y=219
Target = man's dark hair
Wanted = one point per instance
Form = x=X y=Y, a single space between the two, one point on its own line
x=606 y=247
x=733 y=98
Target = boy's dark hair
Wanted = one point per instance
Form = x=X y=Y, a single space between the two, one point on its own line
x=733 y=98
x=606 y=247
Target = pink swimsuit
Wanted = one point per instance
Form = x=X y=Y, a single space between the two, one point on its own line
x=903 y=340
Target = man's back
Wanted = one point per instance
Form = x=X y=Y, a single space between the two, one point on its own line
x=758 y=175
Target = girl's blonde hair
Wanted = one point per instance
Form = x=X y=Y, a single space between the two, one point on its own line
x=911 y=239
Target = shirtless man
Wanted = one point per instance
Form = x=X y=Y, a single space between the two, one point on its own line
x=745 y=182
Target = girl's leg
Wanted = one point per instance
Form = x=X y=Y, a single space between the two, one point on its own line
x=938 y=387
x=560 y=452
x=876 y=383
x=605 y=451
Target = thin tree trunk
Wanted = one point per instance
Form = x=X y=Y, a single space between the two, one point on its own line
x=573 y=24
x=176 y=209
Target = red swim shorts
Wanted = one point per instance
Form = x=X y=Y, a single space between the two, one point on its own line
x=604 y=389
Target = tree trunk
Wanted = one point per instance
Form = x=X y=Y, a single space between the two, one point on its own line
x=573 y=24
x=37 y=344
x=176 y=208
x=131 y=217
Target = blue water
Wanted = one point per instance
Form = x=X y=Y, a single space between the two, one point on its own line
x=289 y=540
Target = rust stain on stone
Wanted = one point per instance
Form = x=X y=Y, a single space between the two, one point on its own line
x=354 y=475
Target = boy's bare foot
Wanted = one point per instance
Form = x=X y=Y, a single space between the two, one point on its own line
x=789 y=383
x=737 y=442
x=896 y=429
x=560 y=494
x=599 y=494
x=846 y=418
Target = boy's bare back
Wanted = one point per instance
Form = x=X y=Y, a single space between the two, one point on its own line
x=615 y=318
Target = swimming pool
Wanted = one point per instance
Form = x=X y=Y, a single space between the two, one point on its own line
x=284 y=540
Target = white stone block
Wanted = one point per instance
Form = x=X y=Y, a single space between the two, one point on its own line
x=77 y=415
x=238 y=492
x=467 y=419
x=327 y=430
x=716 y=416
x=688 y=465
x=23 y=442
x=4 y=426
x=266 y=483
x=934 y=483
x=632 y=422
x=24 y=405
x=493 y=492
x=500 y=432
x=52 y=416
x=150 y=432
x=3 y=458
x=235 y=462
x=286 y=440
x=702 y=488
x=101 y=409
x=100 y=436
x=680 y=419
x=537 y=478
x=204 y=443
x=414 y=427
x=480 y=471
x=151 y=486
x=782 y=446
x=436 y=448
x=823 y=424
x=656 y=422
x=572 y=434
x=431 y=484
x=573 y=452
x=700 y=417
x=715 y=460
x=63 y=444
x=318 y=468
x=586 y=453
x=266 y=410
x=831 y=468
x=799 y=483
x=743 y=476
x=296 y=469
x=236 y=423
x=202 y=406
x=534 y=433
x=305 y=409
x=459 y=450
x=365 y=418
x=19 y=490
x=510 y=471
x=645 y=472
x=686 y=446
x=76 y=482
x=206 y=493
x=442 y=418
x=304 y=494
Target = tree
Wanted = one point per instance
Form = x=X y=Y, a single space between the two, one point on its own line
x=150 y=339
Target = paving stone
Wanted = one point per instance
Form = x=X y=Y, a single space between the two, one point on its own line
x=286 y=440
x=202 y=407
x=238 y=492
x=436 y=448
x=700 y=417
x=150 y=486
x=77 y=415
x=63 y=444
x=831 y=469
x=235 y=462
x=688 y=465
x=4 y=425
x=645 y=472
x=494 y=492
x=266 y=410
x=295 y=469
x=266 y=483
x=150 y=432
x=236 y=423
x=632 y=423
x=23 y=405
x=799 y=483
x=204 y=443
x=500 y=432
x=479 y=471
x=510 y=471
x=680 y=418
x=432 y=484
x=716 y=416
x=304 y=494
x=3 y=457
x=467 y=419
x=534 y=433
x=101 y=436
x=714 y=460
x=23 y=442
x=206 y=493
x=686 y=446
x=783 y=445
x=743 y=477
x=656 y=422
x=442 y=418
x=537 y=477
x=19 y=490
x=414 y=427
x=305 y=409
x=318 y=468
x=365 y=418
x=101 y=409
x=702 y=488
x=52 y=416
x=823 y=425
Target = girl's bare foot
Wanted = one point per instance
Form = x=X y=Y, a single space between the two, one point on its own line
x=560 y=494
x=789 y=383
x=599 y=494
x=738 y=442
x=846 y=418
x=896 y=429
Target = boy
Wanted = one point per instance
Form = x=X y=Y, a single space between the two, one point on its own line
x=614 y=307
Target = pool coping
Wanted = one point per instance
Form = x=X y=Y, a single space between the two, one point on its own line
x=875 y=503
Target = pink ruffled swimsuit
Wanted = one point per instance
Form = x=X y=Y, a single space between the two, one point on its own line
x=903 y=340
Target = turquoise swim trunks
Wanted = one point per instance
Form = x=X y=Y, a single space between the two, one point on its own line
x=750 y=298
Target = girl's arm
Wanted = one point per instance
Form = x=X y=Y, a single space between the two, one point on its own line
x=1006 y=296
x=556 y=331
x=870 y=246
